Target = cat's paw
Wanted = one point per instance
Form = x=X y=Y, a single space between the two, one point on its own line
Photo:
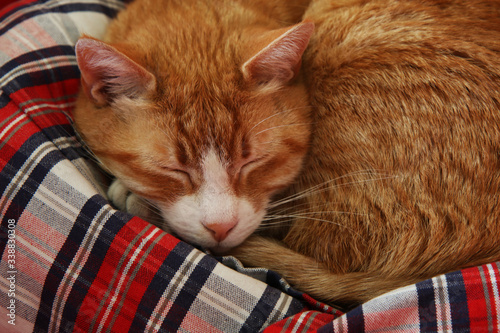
x=117 y=194
x=131 y=203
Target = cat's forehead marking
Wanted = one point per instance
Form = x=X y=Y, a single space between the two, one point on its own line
x=216 y=197
x=214 y=170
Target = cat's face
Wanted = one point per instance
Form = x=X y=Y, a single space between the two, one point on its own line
x=208 y=153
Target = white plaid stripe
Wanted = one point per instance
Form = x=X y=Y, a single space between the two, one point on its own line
x=496 y=295
x=443 y=311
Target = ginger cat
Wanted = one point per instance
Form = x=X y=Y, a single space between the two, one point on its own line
x=402 y=180
x=197 y=108
x=392 y=127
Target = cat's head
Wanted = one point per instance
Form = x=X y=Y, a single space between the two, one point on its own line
x=209 y=148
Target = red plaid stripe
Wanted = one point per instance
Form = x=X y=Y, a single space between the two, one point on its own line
x=124 y=276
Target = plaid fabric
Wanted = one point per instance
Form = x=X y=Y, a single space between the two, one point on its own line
x=70 y=262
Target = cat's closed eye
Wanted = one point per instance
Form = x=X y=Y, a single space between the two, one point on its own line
x=177 y=171
x=247 y=165
x=207 y=143
x=252 y=163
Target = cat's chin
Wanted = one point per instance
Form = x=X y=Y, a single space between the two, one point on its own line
x=221 y=250
x=224 y=247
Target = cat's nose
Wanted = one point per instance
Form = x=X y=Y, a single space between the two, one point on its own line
x=220 y=230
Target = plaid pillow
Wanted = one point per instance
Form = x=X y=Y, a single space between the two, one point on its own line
x=70 y=262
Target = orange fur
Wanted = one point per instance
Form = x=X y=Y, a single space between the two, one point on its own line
x=402 y=177
x=405 y=150
x=168 y=84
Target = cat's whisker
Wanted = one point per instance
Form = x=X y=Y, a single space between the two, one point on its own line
x=302 y=214
x=352 y=174
x=89 y=154
x=316 y=191
x=153 y=217
x=324 y=187
x=300 y=218
x=361 y=173
x=149 y=204
x=307 y=210
x=296 y=206
x=281 y=126
x=270 y=226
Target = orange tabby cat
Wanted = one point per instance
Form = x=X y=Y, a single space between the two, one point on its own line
x=197 y=107
x=202 y=111
x=402 y=181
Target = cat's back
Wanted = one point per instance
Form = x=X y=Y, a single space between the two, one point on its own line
x=451 y=39
x=407 y=99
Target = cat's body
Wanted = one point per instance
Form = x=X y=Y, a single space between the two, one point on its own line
x=406 y=99
x=402 y=177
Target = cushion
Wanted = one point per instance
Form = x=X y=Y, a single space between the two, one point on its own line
x=71 y=262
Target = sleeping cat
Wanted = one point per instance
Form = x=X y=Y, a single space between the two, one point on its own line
x=197 y=107
x=392 y=127
x=405 y=152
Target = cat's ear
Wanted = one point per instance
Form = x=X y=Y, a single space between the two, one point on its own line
x=279 y=58
x=108 y=74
